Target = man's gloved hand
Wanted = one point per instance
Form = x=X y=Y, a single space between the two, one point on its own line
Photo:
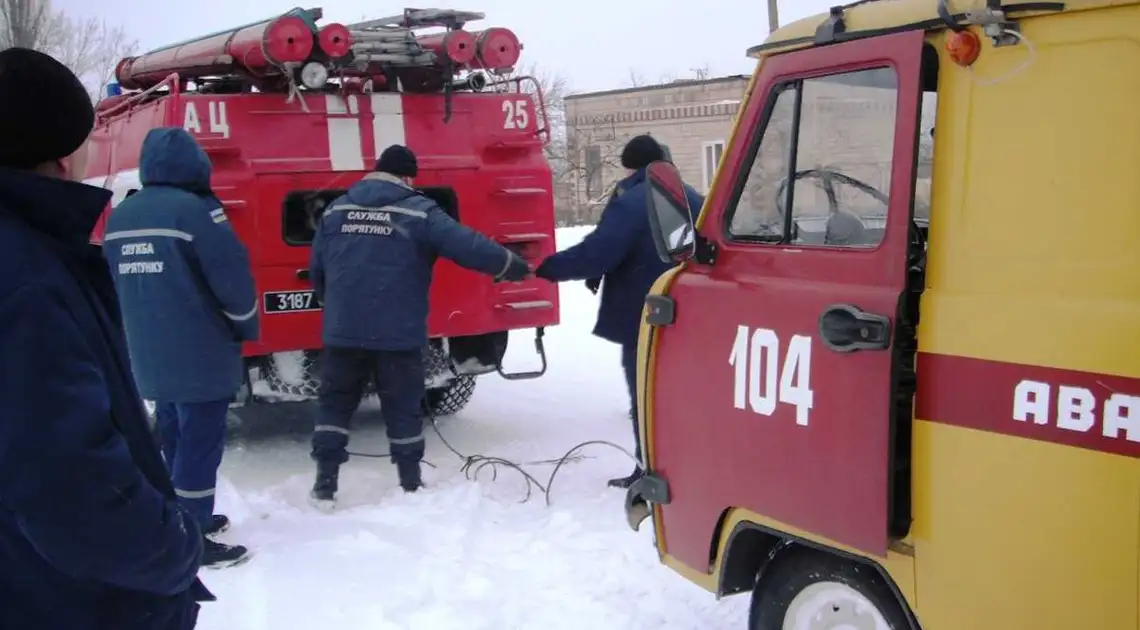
x=593 y=283
x=543 y=271
x=517 y=269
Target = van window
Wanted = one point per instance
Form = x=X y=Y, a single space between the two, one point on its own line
x=833 y=138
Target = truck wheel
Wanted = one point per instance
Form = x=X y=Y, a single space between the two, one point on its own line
x=804 y=589
x=295 y=374
x=451 y=398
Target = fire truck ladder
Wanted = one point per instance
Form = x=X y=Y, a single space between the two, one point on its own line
x=391 y=40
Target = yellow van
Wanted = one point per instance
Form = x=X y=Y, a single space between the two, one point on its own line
x=809 y=439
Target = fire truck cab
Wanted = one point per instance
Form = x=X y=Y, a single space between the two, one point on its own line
x=893 y=382
x=292 y=113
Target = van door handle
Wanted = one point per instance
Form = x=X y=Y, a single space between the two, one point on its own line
x=847 y=328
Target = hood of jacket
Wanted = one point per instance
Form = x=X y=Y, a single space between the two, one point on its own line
x=172 y=157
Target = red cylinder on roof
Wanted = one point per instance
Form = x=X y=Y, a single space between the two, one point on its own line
x=458 y=46
x=256 y=48
x=335 y=40
x=498 y=48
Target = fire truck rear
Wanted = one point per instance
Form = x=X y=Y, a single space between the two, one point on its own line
x=292 y=113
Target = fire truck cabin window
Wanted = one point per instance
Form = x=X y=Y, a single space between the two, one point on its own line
x=841 y=177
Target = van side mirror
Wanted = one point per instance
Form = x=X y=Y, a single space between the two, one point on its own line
x=670 y=216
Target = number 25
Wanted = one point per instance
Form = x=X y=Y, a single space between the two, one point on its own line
x=516 y=115
x=756 y=360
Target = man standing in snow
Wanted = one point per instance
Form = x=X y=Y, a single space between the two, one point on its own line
x=621 y=250
x=371 y=267
x=188 y=302
x=91 y=535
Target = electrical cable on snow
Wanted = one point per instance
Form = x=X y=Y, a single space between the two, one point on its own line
x=474 y=464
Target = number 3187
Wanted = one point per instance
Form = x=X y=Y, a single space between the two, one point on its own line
x=761 y=381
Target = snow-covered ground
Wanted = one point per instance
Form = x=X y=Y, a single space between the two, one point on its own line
x=461 y=554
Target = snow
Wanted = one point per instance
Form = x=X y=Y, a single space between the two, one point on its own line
x=461 y=553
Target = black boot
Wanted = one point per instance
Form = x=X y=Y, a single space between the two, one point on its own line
x=216 y=555
x=625 y=482
x=324 y=489
x=410 y=478
x=220 y=524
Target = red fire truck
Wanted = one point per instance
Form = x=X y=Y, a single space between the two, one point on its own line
x=292 y=113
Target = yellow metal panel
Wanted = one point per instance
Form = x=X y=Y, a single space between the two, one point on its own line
x=1012 y=534
x=1034 y=218
x=888 y=14
x=1033 y=260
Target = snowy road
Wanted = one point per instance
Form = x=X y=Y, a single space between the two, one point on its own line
x=461 y=554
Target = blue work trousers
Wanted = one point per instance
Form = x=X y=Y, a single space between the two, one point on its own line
x=193 y=440
x=398 y=376
x=629 y=366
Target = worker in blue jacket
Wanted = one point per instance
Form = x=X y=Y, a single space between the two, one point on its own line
x=371 y=268
x=621 y=251
x=91 y=535
x=188 y=302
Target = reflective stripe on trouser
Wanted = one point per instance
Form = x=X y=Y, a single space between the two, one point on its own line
x=629 y=366
x=399 y=380
x=193 y=441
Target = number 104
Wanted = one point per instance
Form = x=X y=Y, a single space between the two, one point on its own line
x=759 y=379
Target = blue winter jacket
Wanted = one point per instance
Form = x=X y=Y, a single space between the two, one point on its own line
x=621 y=250
x=91 y=537
x=372 y=261
x=183 y=277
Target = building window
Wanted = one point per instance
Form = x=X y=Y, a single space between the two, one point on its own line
x=711 y=153
x=593 y=170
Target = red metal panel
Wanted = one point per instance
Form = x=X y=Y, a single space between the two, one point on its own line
x=1100 y=412
x=830 y=475
x=504 y=186
x=263 y=147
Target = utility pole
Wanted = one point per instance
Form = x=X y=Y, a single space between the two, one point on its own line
x=773 y=16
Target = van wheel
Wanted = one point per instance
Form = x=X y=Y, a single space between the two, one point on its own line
x=451 y=398
x=809 y=590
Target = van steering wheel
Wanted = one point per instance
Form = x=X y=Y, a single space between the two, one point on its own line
x=827 y=179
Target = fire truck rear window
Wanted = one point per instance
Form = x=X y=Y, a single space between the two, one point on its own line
x=303 y=208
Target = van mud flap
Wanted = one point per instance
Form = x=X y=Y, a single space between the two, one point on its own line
x=648 y=489
x=540 y=349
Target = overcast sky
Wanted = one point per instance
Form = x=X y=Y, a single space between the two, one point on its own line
x=593 y=43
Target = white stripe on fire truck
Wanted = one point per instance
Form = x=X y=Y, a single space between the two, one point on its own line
x=345 y=151
x=120 y=183
x=387 y=121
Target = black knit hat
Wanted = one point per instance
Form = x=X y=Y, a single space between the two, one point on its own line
x=399 y=161
x=640 y=151
x=45 y=112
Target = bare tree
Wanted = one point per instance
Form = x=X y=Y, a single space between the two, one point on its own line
x=559 y=153
x=89 y=46
x=24 y=23
x=584 y=156
x=635 y=79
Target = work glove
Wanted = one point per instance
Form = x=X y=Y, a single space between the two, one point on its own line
x=517 y=269
x=593 y=283
x=543 y=271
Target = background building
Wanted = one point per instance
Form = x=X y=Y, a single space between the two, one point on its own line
x=692 y=117
x=847 y=126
